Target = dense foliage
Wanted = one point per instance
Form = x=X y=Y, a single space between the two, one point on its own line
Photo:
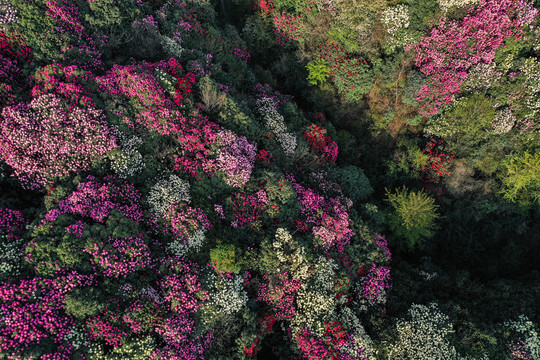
x=278 y=179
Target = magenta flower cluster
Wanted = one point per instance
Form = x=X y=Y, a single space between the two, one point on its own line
x=182 y=289
x=376 y=282
x=453 y=47
x=329 y=217
x=66 y=82
x=103 y=327
x=96 y=200
x=120 y=257
x=33 y=310
x=11 y=223
x=383 y=244
x=242 y=53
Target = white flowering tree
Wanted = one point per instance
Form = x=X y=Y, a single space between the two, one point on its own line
x=424 y=335
x=167 y=191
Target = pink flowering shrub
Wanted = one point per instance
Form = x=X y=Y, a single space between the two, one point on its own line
x=155 y=111
x=44 y=140
x=453 y=47
x=67 y=82
x=246 y=209
x=288 y=28
x=181 y=288
x=104 y=327
x=236 y=157
x=383 y=244
x=375 y=283
x=33 y=311
x=120 y=257
x=178 y=332
x=334 y=344
x=242 y=53
x=96 y=200
x=11 y=223
x=142 y=315
x=329 y=217
x=279 y=291
x=197 y=137
x=73 y=43
x=181 y=221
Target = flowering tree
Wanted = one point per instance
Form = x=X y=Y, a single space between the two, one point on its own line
x=453 y=47
x=46 y=139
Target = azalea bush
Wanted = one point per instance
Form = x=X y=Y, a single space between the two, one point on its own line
x=446 y=55
x=46 y=139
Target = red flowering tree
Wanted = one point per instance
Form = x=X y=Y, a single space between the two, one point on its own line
x=437 y=166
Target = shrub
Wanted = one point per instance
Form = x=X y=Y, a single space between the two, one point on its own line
x=413 y=216
x=318 y=71
x=212 y=98
x=527 y=345
x=466 y=123
x=166 y=192
x=354 y=182
x=226 y=258
x=45 y=140
x=424 y=336
x=521 y=178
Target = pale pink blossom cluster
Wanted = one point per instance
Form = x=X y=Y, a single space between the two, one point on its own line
x=46 y=139
x=236 y=157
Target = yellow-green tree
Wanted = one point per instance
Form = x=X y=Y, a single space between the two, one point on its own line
x=521 y=178
x=413 y=217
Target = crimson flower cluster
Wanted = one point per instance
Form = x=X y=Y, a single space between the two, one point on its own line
x=437 y=166
x=335 y=344
x=13 y=54
x=279 y=291
x=321 y=143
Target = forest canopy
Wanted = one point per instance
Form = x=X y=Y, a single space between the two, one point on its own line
x=270 y=179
